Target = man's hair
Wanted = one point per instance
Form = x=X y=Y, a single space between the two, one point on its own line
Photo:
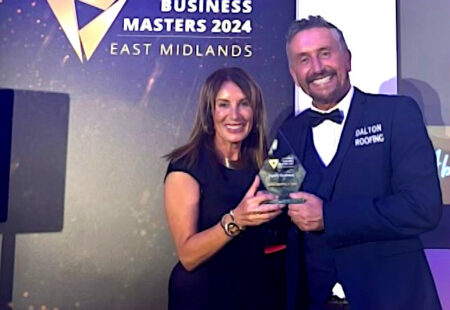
x=312 y=22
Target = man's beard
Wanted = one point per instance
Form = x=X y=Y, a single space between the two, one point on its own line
x=332 y=97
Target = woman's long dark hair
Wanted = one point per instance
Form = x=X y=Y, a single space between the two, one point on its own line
x=253 y=148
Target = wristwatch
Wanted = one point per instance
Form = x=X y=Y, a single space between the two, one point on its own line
x=229 y=225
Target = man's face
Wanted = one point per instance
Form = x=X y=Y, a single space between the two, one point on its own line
x=320 y=65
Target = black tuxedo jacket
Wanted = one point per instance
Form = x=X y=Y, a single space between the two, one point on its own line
x=380 y=192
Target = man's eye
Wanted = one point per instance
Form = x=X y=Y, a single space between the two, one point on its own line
x=325 y=53
x=303 y=60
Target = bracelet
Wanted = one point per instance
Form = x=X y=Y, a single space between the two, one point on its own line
x=222 y=223
x=232 y=214
x=231 y=228
x=232 y=218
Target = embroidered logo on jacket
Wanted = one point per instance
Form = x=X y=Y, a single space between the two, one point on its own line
x=369 y=135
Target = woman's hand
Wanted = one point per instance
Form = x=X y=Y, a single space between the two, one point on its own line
x=252 y=211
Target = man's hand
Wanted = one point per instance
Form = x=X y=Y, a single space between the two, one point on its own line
x=307 y=216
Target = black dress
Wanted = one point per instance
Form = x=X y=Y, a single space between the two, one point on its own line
x=233 y=277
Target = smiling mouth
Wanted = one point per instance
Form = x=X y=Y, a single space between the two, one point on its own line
x=234 y=127
x=322 y=80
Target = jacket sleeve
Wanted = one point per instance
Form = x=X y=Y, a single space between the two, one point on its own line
x=415 y=205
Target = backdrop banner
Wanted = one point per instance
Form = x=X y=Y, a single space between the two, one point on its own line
x=127 y=74
x=132 y=69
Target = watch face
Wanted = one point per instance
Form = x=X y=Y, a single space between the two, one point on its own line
x=232 y=228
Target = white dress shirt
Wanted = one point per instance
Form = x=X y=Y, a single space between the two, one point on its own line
x=327 y=134
x=326 y=137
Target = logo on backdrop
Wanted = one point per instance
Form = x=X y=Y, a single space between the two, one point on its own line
x=178 y=28
x=86 y=40
x=442 y=164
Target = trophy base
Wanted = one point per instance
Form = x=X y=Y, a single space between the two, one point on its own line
x=284 y=201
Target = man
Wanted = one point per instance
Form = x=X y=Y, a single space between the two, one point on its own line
x=371 y=186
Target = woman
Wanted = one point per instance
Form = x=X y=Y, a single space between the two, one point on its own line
x=210 y=195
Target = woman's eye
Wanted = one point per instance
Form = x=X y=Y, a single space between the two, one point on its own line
x=245 y=103
x=222 y=104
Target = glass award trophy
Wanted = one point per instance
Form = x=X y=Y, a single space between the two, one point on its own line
x=282 y=176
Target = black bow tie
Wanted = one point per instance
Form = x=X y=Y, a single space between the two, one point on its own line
x=317 y=118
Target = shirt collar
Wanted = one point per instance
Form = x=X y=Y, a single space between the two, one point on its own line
x=343 y=105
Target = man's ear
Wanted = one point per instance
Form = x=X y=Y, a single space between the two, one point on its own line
x=294 y=77
x=349 y=60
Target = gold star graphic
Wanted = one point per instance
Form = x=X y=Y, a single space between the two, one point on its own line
x=89 y=37
x=273 y=162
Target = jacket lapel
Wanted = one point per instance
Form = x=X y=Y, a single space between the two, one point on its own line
x=297 y=135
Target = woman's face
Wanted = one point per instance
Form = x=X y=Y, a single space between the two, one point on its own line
x=233 y=115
